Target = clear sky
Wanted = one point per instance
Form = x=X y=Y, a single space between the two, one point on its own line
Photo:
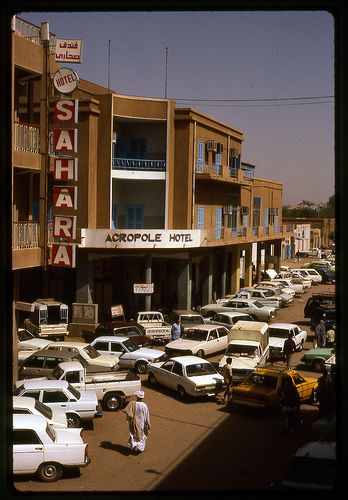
x=247 y=67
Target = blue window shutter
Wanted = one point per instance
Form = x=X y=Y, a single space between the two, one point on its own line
x=200 y=218
x=218 y=222
x=114 y=220
x=266 y=224
x=200 y=156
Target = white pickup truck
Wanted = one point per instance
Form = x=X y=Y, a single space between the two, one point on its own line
x=155 y=326
x=248 y=347
x=112 y=388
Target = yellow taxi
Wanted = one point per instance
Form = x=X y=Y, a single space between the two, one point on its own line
x=261 y=389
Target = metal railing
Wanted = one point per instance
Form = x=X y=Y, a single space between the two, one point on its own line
x=26 y=137
x=138 y=164
x=25 y=235
x=29 y=31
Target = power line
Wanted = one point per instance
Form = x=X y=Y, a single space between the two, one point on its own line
x=259 y=100
x=265 y=105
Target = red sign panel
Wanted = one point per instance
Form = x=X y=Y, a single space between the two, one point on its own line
x=65 y=169
x=64 y=227
x=66 y=111
x=65 y=141
x=63 y=255
x=64 y=197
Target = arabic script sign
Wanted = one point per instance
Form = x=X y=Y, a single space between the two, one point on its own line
x=69 y=51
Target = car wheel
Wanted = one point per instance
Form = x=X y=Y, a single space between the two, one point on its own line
x=112 y=402
x=200 y=353
x=152 y=379
x=50 y=472
x=182 y=392
x=73 y=420
x=318 y=365
x=140 y=367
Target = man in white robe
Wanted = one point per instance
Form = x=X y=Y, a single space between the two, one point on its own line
x=138 y=419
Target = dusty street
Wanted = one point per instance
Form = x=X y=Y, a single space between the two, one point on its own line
x=195 y=445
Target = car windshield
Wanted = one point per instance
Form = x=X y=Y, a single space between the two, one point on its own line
x=91 y=351
x=258 y=304
x=248 y=351
x=45 y=410
x=197 y=320
x=25 y=335
x=200 y=369
x=74 y=392
x=199 y=335
x=56 y=373
x=279 y=333
x=51 y=432
x=259 y=380
x=130 y=345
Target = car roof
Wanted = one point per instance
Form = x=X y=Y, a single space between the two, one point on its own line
x=29 y=421
x=282 y=325
x=206 y=327
x=44 y=384
x=23 y=402
x=318 y=449
x=68 y=344
x=110 y=338
x=51 y=353
x=189 y=360
x=232 y=314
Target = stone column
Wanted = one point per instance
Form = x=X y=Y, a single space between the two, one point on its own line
x=207 y=291
x=148 y=277
x=248 y=271
x=235 y=274
x=84 y=279
x=185 y=286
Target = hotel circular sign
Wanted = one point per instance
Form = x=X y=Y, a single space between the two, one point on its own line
x=65 y=80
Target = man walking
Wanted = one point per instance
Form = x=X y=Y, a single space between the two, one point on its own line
x=227 y=374
x=288 y=349
x=138 y=419
x=177 y=329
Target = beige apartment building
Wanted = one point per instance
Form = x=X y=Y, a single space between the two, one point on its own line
x=164 y=199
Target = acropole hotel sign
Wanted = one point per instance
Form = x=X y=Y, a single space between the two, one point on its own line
x=142 y=238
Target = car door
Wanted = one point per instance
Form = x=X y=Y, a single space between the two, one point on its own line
x=176 y=378
x=55 y=398
x=28 y=450
x=302 y=386
x=223 y=338
x=296 y=336
x=31 y=367
x=164 y=374
x=126 y=359
x=212 y=343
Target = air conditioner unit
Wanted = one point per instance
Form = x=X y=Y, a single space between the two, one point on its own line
x=245 y=210
x=276 y=211
x=211 y=145
x=227 y=210
x=219 y=147
x=234 y=152
x=270 y=211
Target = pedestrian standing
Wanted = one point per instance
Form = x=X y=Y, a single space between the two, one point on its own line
x=227 y=374
x=138 y=419
x=288 y=349
x=325 y=395
x=320 y=334
x=177 y=329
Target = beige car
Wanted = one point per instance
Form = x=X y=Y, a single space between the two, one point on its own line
x=86 y=351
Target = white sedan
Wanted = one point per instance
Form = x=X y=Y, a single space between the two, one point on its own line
x=256 y=309
x=40 y=449
x=28 y=342
x=31 y=406
x=278 y=333
x=188 y=375
x=199 y=340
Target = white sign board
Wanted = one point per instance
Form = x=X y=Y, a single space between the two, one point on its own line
x=143 y=288
x=69 y=51
x=117 y=311
x=142 y=238
x=65 y=80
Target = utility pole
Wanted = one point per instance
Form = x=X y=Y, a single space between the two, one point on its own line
x=166 y=80
x=109 y=65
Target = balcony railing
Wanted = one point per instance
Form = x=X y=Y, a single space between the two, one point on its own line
x=29 y=31
x=138 y=164
x=26 y=234
x=26 y=137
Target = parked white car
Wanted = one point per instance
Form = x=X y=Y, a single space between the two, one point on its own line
x=79 y=406
x=188 y=375
x=28 y=342
x=298 y=287
x=276 y=285
x=29 y=406
x=202 y=340
x=284 y=298
x=45 y=451
x=256 y=309
x=89 y=353
x=130 y=355
x=264 y=296
x=279 y=332
x=311 y=274
x=228 y=319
